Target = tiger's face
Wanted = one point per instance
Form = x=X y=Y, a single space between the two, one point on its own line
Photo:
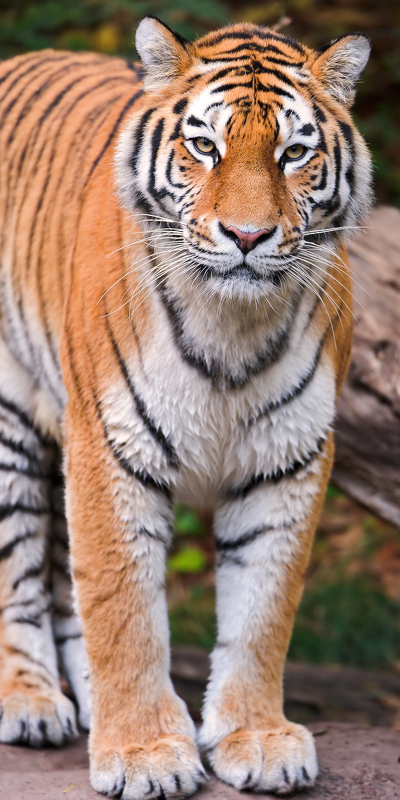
x=244 y=152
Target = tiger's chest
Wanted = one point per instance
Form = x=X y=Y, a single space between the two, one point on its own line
x=170 y=421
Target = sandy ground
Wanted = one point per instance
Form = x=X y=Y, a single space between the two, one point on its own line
x=356 y=764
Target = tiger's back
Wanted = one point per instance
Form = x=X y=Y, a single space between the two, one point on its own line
x=59 y=116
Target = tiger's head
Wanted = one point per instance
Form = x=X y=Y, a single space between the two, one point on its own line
x=243 y=152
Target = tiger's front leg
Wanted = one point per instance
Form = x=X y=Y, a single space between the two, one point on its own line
x=264 y=534
x=142 y=738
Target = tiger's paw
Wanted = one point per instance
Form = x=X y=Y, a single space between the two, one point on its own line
x=279 y=761
x=36 y=718
x=169 y=767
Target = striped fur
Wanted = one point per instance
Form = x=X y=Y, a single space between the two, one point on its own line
x=145 y=341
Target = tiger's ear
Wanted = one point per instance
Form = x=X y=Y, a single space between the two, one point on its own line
x=164 y=54
x=340 y=64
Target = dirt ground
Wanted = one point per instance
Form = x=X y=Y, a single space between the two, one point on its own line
x=356 y=763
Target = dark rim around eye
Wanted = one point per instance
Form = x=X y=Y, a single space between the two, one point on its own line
x=292 y=157
x=206 y=142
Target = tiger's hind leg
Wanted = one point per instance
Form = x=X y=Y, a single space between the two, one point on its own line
x=66 y=625
x=32 y=708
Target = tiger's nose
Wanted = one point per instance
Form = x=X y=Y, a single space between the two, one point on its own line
x=246 y=241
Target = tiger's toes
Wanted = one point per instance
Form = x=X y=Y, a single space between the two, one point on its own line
x=279 y=761
x=169 y=767
x=36 y=719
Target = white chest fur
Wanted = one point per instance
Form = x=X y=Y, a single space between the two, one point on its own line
x=220 y=438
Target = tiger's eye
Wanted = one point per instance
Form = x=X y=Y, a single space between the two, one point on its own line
x=295 y=151
x=204 y=145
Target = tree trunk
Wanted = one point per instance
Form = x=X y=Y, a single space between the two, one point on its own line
x=367 y=463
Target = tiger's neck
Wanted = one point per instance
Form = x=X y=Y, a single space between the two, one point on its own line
x=229 y=340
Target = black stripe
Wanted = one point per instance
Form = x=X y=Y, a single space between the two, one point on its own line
x=133 y=159
x=143 y=477
x=192 y=120
x=279 y=91
x=28 y=472
x=155 y=145
x=277 y=73
x=319 y=114
x=176 y=132
x=32 y=572
x=348 y=136
x=111 y=136
x=168 y=175
x=156 y=536
x=248 y=36
x=49 y=82
x=38 y=124
x=278 y=475
x=63 y=611
x=322 y=141
x=323 y=181
x=307 y=129
x=180 y=106
x=7 y=550
x=62 y=639
x=25 y=420
x=246 y=538
x=231 y=558
x=15 y=651
x=10 y=510
x=215 y=371
x=18 y=447
x=141 y=409
x=332 y=205
x=61 y=117
x=227 y=86
x=35 y=57
x=28 y=621
x=19 y=77
x=296 y=391
x=45 y=114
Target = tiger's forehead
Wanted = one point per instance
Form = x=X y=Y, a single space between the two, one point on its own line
x=229 y=96
x=244 y=40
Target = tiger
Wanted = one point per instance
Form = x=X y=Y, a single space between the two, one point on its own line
x=175 y=327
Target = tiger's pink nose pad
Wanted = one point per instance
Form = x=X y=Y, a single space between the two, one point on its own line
x=247 y=240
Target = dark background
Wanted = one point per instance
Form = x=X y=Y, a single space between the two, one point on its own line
x=350 y=612
x=109 y=26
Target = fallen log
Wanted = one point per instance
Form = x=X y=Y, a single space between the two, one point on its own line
x=367 y=462
x=313 y=693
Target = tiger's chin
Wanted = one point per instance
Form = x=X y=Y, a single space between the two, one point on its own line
x=245 y=283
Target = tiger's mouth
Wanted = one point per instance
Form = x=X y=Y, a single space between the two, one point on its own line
x=243 y=273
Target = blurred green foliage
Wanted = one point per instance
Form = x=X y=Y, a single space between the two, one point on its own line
x=192 y=621
x=187 y=522
x=105 y=25
x=109 y=26
x=188 y=559
x=347 y=620
x=345 y=616
x=343 y=620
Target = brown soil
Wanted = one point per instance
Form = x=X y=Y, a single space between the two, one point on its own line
x=356 y=764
